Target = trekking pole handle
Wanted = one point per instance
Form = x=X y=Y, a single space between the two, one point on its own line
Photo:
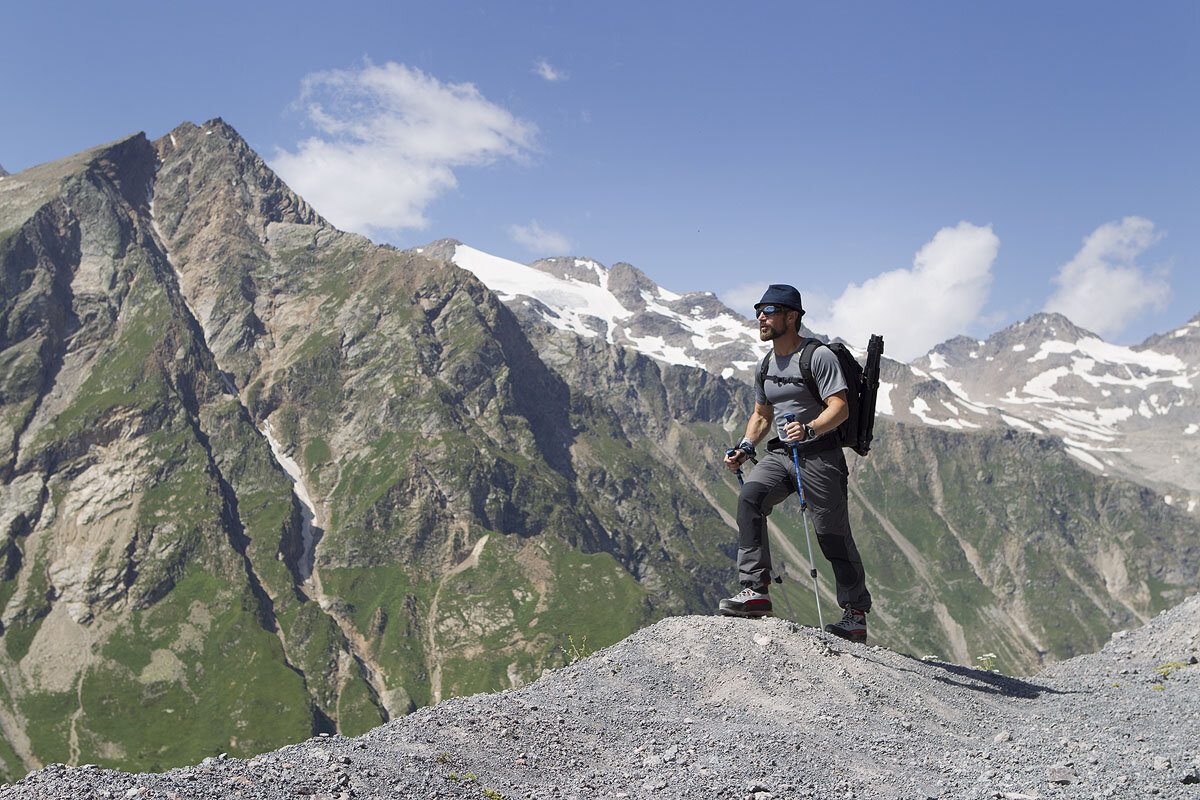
x=731 y=451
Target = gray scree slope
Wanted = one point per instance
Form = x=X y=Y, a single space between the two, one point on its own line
x=709 y=707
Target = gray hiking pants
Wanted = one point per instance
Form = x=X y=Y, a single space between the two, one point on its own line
x=771 y=482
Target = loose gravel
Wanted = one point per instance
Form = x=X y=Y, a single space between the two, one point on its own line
x=713 y=707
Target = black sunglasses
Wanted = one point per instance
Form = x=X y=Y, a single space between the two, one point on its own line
x=770 y=310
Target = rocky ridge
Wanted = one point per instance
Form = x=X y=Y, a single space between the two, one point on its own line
x=707 y=707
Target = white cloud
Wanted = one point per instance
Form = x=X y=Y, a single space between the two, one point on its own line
x=539 y=240
x=390 y=139
x=915 y=309
x=543 y=68
x=742 y=298
x=1102 y=288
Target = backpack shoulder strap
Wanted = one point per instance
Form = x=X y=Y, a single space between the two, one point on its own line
x=806 y=356
x=762 y=369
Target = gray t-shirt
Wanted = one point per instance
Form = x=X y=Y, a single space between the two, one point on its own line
x=791 y=398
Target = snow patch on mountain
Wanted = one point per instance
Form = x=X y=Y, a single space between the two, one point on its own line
x=620 y=305
x=572 y=301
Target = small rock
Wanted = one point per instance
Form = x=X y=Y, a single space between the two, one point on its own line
x=1192 y=777
x=761 y=639
x=1002 y=736
x=1061 y=775
x=1162 y=762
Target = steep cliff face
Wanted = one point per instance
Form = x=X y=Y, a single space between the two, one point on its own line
x=142 y=517
x=260 y=478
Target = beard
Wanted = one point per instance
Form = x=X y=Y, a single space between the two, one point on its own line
x=768 y=332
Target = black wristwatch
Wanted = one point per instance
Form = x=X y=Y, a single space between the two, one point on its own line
x=809 y=433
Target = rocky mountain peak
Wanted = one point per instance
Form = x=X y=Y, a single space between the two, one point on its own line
x=3 y=171
x=126 y=165
x=1183 y=342
x=580 y=269
x=1031 y=332
x=130 y=165
x=222 y=171
x=442 y=249
x=630 y=285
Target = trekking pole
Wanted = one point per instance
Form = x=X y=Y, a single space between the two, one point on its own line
x=812 y=564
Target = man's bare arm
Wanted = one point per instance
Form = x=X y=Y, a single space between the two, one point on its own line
x=760 y=422
x=835 y=413
x=756 y=429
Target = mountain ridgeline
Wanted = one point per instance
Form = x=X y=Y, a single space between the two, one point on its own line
x=260 y=478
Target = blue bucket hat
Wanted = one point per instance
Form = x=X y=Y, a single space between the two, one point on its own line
x=781 y=294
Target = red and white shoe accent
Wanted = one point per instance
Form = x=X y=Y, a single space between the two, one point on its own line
x=747 y=603
x=852 y=625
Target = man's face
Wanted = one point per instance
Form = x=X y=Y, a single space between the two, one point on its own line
x=772 y=326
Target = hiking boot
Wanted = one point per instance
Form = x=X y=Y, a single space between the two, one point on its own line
x=749 y=602
x=852 y=625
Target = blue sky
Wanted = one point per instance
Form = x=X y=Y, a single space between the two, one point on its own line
x=921 y=169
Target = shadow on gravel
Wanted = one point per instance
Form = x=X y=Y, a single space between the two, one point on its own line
x=977 y=680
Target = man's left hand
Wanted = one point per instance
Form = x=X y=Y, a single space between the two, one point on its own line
x=794 y=431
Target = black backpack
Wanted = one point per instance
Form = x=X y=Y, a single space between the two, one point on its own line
x=862 y=387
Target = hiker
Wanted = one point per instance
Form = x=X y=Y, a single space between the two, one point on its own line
x=822 y=466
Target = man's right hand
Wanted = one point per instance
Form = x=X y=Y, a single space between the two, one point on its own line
x=738 y=455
